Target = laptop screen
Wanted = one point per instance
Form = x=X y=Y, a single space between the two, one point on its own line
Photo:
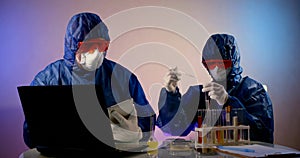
x=66 y=117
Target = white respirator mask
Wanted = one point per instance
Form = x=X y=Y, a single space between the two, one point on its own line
x=92 y=61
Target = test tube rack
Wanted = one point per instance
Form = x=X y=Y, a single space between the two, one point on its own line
x=221 y=127
x=221 y=135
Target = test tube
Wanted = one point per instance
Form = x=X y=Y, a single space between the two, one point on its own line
x=209 y=124
x=240 y=113
x=227 y=118
x=205 y=134
x=228 y=109
x=235 y=131
x=213 y=122
x=200 y=119
x=207 y=100
x=221 y=122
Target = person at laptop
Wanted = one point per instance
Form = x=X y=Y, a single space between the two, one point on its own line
x=84 y=62
x=221 y=58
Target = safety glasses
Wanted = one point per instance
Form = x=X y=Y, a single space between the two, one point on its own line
x=211 y=64
x=92 y=44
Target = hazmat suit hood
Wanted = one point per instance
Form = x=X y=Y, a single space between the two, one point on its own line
x=82 y=26
x=224 y=47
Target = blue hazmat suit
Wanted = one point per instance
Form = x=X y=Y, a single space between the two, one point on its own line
x=178 y=113
x=116 y=81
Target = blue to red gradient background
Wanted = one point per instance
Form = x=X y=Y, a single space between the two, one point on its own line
x=267 y=32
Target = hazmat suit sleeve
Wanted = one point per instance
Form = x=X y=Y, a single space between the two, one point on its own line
x=177 y=114
x=143 y=108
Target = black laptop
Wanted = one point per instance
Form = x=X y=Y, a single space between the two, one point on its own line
x=66 y=119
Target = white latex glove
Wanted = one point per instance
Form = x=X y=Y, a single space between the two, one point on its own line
x=130 y=123
x=171 y=79
x=126 y=130
x=123 y=135
x=216 y=92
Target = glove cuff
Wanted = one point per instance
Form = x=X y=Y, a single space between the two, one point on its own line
x=124 y=135
x=225 y=98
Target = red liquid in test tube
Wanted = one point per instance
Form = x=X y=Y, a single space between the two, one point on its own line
x=199 y=126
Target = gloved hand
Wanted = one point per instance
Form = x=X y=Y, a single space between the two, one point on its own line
x=216 y=92
x=125 y=127
x=130 y=123
x=171 y=79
